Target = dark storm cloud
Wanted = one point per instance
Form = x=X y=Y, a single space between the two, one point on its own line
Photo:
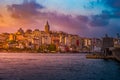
x=113 y=3
x=66 y=22
x=83 y=18
x=80 y=24
x=115 y=7
x=113 y=12
x=27 y=9
x=100 y=20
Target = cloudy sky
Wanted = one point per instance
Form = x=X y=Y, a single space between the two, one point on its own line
x=90 y=18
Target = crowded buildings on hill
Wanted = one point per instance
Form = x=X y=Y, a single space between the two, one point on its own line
x=48 y=41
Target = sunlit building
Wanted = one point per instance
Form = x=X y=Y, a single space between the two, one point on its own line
x=87 y=44
x=36 y=39
x=12 y=37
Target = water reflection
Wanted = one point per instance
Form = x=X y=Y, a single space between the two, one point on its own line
x=56 y=67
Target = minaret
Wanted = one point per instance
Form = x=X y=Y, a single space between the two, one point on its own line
x=47 y=27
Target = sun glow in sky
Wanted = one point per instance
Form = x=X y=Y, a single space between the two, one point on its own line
x=83 y=17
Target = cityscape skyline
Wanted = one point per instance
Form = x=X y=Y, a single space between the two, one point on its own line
x=91 y=18
x=52 y=30
x=47 y=40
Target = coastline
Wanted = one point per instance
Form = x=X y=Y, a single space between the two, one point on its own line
x=15 y=50
x=32 y=52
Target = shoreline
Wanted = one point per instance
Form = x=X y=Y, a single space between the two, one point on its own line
x=29 y=52
x=42 y=52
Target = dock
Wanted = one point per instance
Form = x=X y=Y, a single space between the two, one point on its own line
x=96 y=56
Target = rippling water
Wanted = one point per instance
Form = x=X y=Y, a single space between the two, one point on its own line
x=56 y=67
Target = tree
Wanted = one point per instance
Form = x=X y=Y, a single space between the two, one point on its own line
x=52 y=47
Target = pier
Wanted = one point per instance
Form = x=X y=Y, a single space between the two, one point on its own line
x=98 y=56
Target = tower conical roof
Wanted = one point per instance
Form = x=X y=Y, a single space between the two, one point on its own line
x=47 y=27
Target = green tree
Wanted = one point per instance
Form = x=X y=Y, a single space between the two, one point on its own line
x=52 y=47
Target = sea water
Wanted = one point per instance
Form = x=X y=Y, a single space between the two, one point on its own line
x=37 y=66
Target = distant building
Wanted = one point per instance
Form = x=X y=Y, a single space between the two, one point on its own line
x=116 y=42
x=47 y=27
x=42 y=40
x=107 y=42
x=3 y=39
x=46 y=39
x=68 y=40
x=20 y=31
x=12 y=37
x=87 y=44
x=96 y=45
x=55 y=38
